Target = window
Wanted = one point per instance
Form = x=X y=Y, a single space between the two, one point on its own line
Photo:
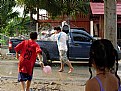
x=78 y=37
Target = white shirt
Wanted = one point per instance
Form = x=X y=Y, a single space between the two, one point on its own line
x=61 y=39
x=52 y=37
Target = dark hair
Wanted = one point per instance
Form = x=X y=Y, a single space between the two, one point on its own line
x=57 y=28
x=33 y=35
x=104 y=55
x=65 y=29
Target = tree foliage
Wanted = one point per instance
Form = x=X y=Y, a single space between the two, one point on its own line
x=6 y=13
x=30 y=6
x=56 y=7
x=66 y=7
x=10 y=23
x=15 y=27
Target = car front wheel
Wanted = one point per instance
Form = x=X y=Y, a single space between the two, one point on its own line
x=44 y=59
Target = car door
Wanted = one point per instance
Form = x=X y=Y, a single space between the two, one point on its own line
x=79 y=46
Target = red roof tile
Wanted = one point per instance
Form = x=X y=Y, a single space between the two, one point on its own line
x=98 y=8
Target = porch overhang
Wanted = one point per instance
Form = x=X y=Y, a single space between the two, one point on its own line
x=98 y=8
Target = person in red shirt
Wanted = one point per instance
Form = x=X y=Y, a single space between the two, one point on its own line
x=28 y=50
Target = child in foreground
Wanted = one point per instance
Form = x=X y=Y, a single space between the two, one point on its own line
x=103 y=57
x=28 y=50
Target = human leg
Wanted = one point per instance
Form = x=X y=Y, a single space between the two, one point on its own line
x=28 y=83
x=70 y=66
x=62 y=67
x=61 y=59
x=23 y=86
x=64 y=59
x=22 y=77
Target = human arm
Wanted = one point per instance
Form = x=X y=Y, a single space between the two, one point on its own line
x=87 y=86
x=18 y=48
x=90 y=85
x=39 y=55
x=40 y=60
x=17 y=55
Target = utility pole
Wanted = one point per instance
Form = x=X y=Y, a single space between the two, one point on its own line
x=110 y=21
x=37 y=24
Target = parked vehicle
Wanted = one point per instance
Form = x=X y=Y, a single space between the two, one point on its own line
x=79 y=42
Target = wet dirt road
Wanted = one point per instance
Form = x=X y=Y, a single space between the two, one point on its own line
x=56 y=81
x=42 y=82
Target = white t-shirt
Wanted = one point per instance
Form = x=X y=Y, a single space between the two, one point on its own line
x=52 y=37
x=61 y=39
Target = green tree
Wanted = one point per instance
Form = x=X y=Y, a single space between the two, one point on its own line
x=30 y=6
x=15 y=27
x=6 y=13
x=55 y=7
x=66 y=7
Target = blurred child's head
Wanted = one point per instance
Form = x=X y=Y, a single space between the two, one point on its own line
x=33 y=35
x=103 y=55
x=58 y=29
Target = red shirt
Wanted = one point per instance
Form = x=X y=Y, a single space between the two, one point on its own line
x=28 y=52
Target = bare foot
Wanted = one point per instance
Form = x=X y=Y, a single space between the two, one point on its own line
x=61 y=70
x=71 y=69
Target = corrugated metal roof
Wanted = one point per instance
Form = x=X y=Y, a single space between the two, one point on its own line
x=98 y=8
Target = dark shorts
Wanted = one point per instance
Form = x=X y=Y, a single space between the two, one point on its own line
x=24 y=77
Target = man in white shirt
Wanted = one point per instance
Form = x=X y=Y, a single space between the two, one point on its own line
x=53 y=35
x=61 y=39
